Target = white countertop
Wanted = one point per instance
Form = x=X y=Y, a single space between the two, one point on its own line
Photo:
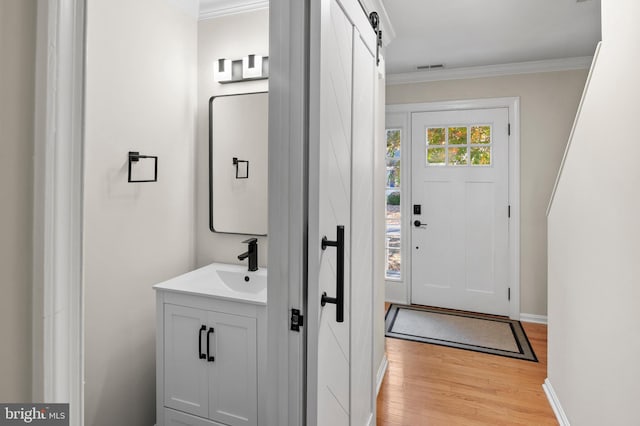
x=221 y=281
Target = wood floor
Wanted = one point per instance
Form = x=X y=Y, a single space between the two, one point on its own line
x=436 y=385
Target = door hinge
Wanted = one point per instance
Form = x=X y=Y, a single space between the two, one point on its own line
x=297 y=320
x=509 y=129
x=509 y=293
x=509 y=211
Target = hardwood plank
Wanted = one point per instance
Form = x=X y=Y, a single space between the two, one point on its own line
x=436 y=385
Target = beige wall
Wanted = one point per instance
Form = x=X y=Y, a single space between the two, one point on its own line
x=229 y=37
x=17 y=82
x=140 y=96
x=548 y=103
x=594 y=240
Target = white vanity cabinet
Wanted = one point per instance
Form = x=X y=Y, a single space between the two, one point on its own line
x=210 y=358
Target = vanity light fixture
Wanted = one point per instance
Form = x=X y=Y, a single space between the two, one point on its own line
x=252 y=66
x=222 y=70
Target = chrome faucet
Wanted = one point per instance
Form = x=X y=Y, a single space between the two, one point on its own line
x=252 y=253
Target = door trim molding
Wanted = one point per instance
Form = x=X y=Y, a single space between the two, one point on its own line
x=382 y=370
x=288 y=146
x=58 y=352
x=399 y=116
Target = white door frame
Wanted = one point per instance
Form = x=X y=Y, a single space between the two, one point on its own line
x=288 y=147
x=57 y=331
x=401 y=118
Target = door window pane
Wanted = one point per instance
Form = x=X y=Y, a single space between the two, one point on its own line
x=481 y=155
x=457 y=135
x=435 y=155
x=436 y=136
x=457 y=156
x=393 y=143
x=480 y=134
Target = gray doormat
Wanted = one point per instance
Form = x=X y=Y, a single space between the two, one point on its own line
x=462 y=330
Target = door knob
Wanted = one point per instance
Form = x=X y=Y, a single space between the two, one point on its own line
x=419 y=224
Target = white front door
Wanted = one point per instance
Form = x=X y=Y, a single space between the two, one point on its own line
x=460 y=210
x=340 y=382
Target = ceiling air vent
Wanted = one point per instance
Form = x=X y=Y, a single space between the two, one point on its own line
x=430 y=67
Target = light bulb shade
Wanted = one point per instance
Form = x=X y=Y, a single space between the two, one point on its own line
x=252 y=66
x=222 y=70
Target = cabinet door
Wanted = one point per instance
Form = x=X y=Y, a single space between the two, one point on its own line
x=176 y=418
x=233 y=391
x=186 y=385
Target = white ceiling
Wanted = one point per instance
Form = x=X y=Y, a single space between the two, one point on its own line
x=466 y=33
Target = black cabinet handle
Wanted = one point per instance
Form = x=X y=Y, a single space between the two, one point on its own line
x=200 y=354
x=209 y=357
x=339 y=299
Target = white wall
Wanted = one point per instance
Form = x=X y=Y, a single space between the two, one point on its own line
x=140 y=96
x=17 y=83
x=594 y=240
x=231 y=37
x=548 y=103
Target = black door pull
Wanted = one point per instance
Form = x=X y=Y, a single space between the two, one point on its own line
x=210 y=358
x=339 y=299
x=419 y=224
x=200 y=354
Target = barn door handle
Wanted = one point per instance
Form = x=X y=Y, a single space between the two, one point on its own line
x=200 y=354
x=339 y=299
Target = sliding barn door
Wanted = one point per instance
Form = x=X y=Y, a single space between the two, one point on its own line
x=339 y=354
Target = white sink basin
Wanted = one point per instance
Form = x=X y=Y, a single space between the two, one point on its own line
x=243 y=282
x=222 y=281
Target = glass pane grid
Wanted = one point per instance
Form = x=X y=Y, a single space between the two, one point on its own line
x=459 y=146
x=393 y=209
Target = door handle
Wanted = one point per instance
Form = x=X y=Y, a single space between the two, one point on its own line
x=209 y=357
x=339 y=299
x=419 y=224
x=200 y=354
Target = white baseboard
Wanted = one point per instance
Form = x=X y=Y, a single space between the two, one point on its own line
x=555 y=403
x=538 y=319
x=381 y=370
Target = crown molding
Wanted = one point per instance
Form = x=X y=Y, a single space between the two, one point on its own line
x=210 y=9
x=388 y=32
x=550 y=65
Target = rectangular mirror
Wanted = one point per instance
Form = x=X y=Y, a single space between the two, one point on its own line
x=238 y=156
